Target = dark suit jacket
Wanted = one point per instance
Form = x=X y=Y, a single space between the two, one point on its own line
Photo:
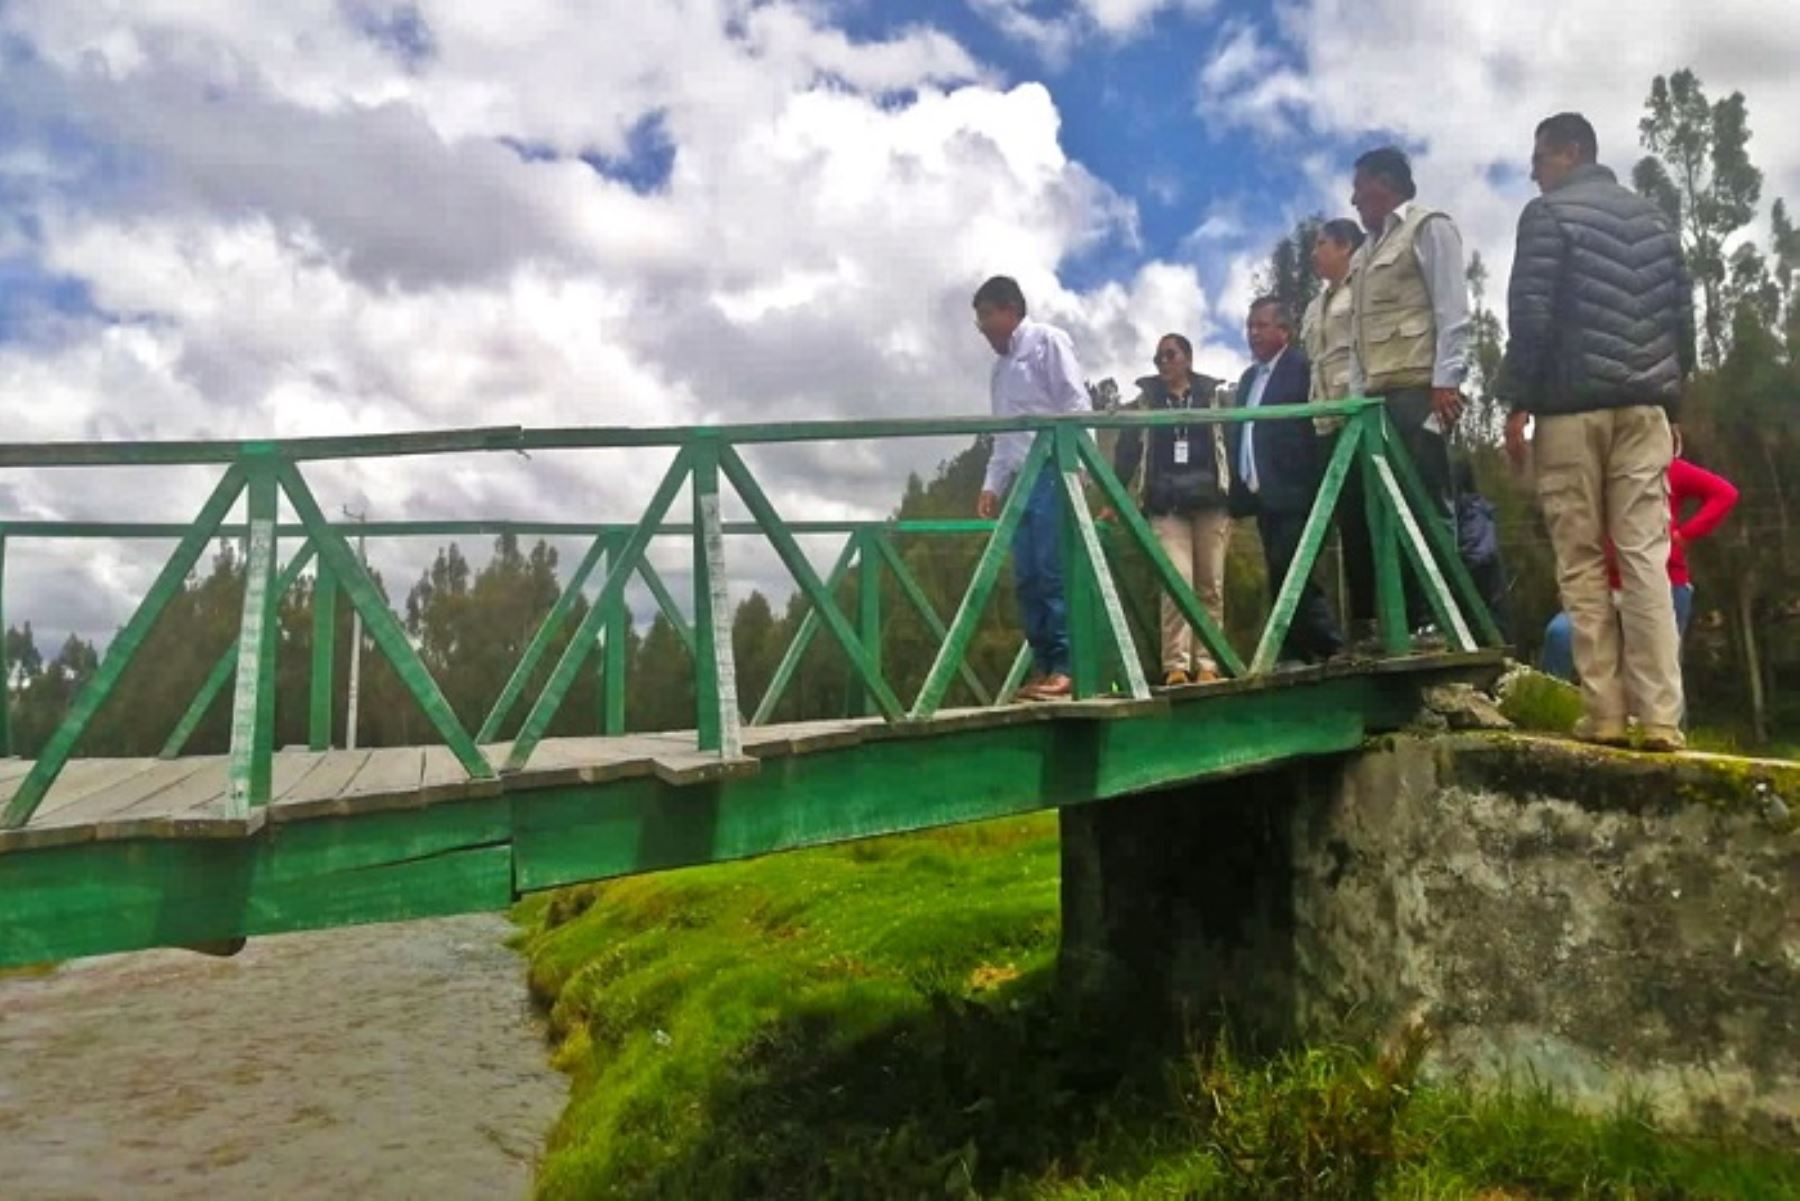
x=1288 y=466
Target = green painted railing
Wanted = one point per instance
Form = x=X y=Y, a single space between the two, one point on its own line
x=707 y=460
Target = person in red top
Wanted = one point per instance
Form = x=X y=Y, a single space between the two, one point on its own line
x=1716 y=497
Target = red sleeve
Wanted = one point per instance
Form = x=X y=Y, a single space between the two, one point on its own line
x=1717 y=497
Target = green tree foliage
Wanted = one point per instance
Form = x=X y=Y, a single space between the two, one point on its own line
x=1487 y=345
x=1741 y=415
x=1699 y=172
x=1288 y=276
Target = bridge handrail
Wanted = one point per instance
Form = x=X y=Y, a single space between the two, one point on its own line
x=1403 y=523
x=152 y=530
x=199 y=452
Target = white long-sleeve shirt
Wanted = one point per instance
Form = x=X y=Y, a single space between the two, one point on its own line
x=1439 y=250
x=1037 y=375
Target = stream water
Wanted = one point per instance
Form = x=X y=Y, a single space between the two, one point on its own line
x=394 y=1061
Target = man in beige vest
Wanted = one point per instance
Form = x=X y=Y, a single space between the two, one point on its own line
x=1410 y=328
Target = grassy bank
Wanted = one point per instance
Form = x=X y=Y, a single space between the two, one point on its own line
x=878 y=1020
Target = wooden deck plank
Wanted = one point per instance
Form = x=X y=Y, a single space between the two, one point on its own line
x=328 y=779
x=202 y=817
x=170 y=813
x=204 y=786
x=290 y=770
x=444 y=778
x=390 y=769
x=388 y=779
x=797 y=738
x=77 y=770
x=13 y=769
x=99 y=774
x=142 y=788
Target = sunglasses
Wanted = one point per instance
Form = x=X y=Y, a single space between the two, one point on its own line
x=1166 y=356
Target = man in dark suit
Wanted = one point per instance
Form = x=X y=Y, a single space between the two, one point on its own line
x=1277 y=471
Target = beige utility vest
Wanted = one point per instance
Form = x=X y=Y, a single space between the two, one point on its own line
x=1396 y=331
x=1325 y=332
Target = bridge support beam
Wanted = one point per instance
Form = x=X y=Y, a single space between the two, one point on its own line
x=1178 y=905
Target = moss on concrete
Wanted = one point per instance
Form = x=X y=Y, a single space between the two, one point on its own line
x=1532 y=700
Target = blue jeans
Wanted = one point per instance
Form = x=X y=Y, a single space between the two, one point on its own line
x=1038 y=576
x=1558 y=657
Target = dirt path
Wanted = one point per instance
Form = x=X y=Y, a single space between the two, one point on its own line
x=374 y=1062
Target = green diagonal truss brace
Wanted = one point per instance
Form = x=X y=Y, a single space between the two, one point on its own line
x=921 y=604
x=802 y=640
x=981 y=586
x=1146 y=541
x=226 y=666
x=562 y=676
x=796 y=562
x=1312 y=541
x=381 y=624
x=119 y=652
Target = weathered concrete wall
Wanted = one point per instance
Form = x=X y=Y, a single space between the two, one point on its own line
x=1605 y=921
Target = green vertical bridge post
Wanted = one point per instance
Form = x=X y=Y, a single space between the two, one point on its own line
x=616 y=640
x=253 y=702
x=868 y=613
x=715 y=671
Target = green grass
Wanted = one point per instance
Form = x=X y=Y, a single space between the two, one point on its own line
x=1730 y=740
x=880 y=1020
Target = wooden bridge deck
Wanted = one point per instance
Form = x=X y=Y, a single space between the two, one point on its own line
x=124 y=798
x=127 y=853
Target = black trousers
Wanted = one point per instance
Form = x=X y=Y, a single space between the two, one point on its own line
x=1314 y=633
x=1358 y=547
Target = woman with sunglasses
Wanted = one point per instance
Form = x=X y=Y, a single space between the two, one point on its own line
x=1185 y=490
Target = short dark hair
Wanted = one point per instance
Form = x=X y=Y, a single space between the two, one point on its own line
x=1283 y=316
x=1570 y=129
x=1343 y=231
x=1003 y=292
x=1187 y=347
x=1390 y=163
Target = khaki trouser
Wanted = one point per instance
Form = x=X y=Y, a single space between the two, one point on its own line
x=1195 y=543
x=1605 y=475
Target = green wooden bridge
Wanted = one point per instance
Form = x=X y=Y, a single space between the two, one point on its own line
x=111 y=854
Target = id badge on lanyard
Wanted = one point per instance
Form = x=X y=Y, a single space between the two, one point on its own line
x=1181 y=449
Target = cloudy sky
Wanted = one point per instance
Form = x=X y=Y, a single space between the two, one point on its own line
x=230 y=219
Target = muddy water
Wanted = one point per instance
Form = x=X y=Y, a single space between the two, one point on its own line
x=374 y=1062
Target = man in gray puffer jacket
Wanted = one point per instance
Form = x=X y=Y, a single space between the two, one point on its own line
x=1600 y=320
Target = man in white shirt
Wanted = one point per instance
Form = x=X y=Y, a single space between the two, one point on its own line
x=1410 y=327
x=1037 y=374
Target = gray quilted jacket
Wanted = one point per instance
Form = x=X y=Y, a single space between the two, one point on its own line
x=1600 y=311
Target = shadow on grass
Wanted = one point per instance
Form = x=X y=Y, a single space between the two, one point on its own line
x=1013 y=1097
x=1017 y=1096
x=963 y=1096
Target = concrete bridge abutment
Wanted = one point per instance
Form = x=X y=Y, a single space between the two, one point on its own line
x=1610 y=923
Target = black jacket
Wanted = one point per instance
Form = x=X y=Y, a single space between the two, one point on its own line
x=1288 y=466
x=1170 y=487
x=1600 y=309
